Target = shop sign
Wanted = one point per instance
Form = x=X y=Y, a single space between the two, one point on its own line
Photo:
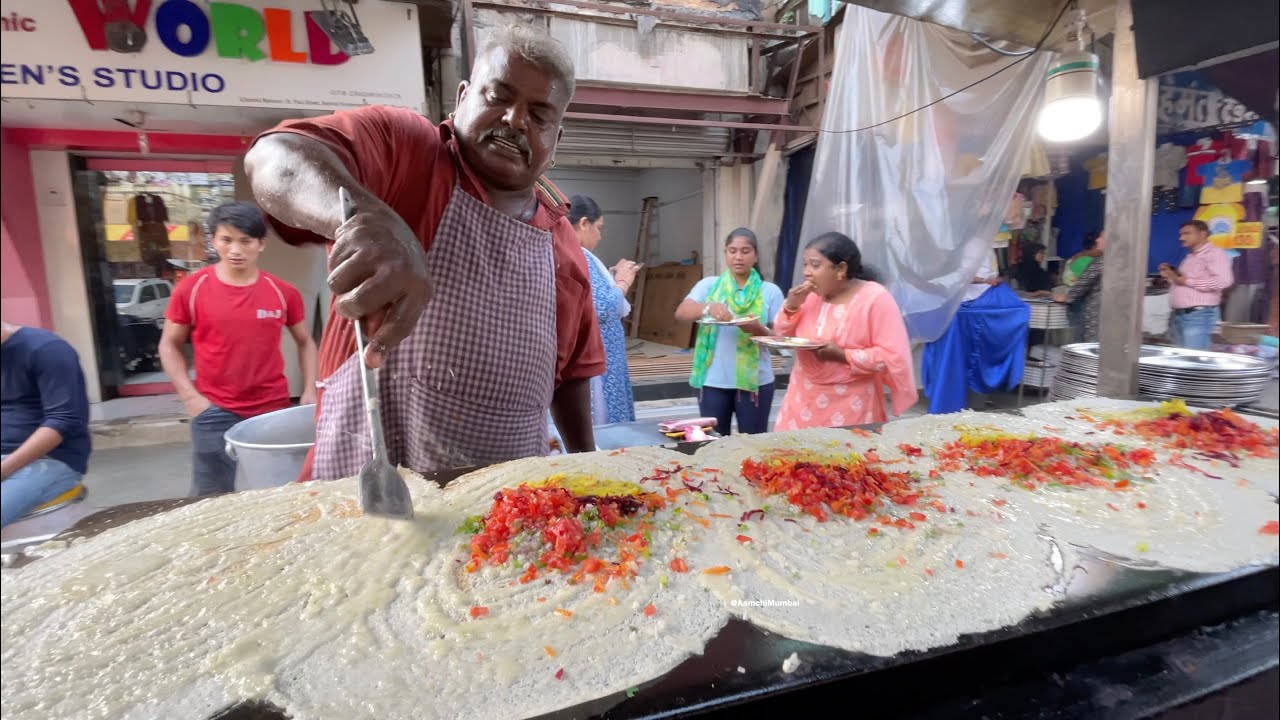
x=1187 y=102
x=1245 y=236
x=269 y=53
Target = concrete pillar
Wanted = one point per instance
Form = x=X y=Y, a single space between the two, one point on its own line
x=64 y=266
x=710 y=221
x=305 y=268
x=1130 y=171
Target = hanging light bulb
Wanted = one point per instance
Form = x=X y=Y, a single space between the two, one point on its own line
x=1072 y=109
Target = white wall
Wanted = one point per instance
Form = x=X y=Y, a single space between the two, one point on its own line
x=620 y=193
x=679 y=228
x=63 y=266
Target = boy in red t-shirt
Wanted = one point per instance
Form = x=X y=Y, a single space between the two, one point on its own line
x=233 y=313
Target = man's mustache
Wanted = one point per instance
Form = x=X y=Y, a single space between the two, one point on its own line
x=507 y=135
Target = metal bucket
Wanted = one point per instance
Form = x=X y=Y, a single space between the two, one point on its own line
x=270 y=449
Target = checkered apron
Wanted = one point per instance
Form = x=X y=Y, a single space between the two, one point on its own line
x=472 y=383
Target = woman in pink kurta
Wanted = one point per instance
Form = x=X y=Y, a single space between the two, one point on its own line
x=866 y=349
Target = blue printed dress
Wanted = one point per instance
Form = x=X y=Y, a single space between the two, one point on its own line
x=611 y=399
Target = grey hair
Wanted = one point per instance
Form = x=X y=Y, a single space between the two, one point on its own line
x=536 y=46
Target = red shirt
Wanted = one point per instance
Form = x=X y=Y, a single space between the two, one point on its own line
x=235 y=331
x=413 y=166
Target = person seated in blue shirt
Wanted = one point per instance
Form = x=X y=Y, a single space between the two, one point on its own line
x=44 y=420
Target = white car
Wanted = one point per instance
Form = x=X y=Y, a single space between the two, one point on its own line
x=145 y=299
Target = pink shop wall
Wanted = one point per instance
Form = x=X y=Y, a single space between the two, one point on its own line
x=24 y=289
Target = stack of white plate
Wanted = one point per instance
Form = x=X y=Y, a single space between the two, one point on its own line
x=1210 y=379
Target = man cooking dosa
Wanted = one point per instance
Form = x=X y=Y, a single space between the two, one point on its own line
x=459 y=258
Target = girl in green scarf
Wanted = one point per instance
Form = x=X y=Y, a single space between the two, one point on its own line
x=734 y=376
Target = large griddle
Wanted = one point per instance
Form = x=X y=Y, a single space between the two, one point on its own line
x=1125 y=642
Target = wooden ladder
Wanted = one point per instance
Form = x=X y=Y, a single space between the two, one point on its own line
x=647 y=211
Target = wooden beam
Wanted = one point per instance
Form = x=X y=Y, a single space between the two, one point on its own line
x=1128 y=213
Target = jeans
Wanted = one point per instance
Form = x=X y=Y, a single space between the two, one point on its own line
x=1194 y=330
x=212 y=469
x=752 y=409
x=33 y=486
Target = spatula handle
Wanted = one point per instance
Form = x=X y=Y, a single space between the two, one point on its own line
x=368 y=376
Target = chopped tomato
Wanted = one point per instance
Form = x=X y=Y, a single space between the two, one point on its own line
x=928 y=571
x=1141 y=505
x=1219 y=434
x=556 y=517
x=1112 y=506
x=918 y=516
x=679 y=565
x=1036 y=462
x=1271 y=528
x=479 y=611
x=744 y=539
x=999 y=502
x=960 y=564
x=650 y=610
x=850 y=486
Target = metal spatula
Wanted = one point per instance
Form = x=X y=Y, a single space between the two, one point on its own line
x=382 y=490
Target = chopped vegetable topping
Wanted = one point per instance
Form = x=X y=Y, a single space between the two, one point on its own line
x=960 y=564
x=679 y=565
x=564 y=613
x=650 y=610
x=479 y=611
x=560 y=674
x=1271 y=528
x=548 y=527
x=1221 y=433
x=844 y=485
x=1033 y=462
x=717 y=570
x=550 y=651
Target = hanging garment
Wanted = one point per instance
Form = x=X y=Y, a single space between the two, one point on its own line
x=1013 y=216
x=1097 y=167
x=1044 y=200
x=1170 y=159
x=982 y=351
x=1205 y=150
x=1223 y=182
x=1221 y=219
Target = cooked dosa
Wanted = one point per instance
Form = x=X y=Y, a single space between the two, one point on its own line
x=862 y=585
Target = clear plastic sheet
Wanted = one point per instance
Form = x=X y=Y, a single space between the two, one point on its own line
x=923 y=195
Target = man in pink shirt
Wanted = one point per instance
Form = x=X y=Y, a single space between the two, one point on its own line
x=1198 y=284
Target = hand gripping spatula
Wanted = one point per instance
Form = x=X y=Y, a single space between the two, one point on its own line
x=382 y=490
